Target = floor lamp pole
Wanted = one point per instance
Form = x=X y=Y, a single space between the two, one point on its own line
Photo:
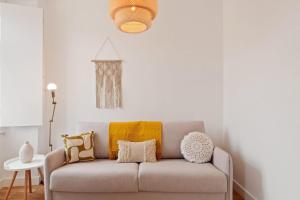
x=51 y=87
x=50 y=124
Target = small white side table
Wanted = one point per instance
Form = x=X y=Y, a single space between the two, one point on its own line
x=15 y=165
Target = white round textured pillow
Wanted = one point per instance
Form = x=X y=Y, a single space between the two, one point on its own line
x=197 y=147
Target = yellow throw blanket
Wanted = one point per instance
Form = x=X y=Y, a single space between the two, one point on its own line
x=134 y=132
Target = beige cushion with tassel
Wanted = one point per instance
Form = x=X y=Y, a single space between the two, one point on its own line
x=137 y=151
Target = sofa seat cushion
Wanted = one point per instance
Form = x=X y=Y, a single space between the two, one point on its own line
x=178 y=175
x=100 y=175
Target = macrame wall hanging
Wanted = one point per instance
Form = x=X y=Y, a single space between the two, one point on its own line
x=108 y=80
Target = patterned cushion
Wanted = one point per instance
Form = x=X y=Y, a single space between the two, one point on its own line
x=197 y=147
x=79 y=147
x=137 y=151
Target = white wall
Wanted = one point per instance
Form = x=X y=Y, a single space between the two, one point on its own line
x=171 y=72
x=22 y=2
x=261 y=95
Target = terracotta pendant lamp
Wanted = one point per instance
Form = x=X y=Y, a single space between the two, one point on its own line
x=133 y=16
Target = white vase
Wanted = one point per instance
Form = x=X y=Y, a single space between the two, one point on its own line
x=26 y=153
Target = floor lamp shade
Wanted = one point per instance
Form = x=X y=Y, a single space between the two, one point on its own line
x=133 y=16
x=51 y=87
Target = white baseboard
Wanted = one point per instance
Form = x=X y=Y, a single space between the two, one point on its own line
x=242 y=191
x=5 y=182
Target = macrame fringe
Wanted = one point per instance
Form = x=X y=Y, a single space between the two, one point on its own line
x=108 y=84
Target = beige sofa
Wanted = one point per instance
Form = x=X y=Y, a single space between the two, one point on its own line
x=172 y=177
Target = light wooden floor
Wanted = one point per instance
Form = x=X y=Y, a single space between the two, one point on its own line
x=17 y=193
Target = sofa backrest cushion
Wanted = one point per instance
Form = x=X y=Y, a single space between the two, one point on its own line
x=173 y=133
x=100 y=139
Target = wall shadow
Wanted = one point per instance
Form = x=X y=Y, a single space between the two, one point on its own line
x=246 y=174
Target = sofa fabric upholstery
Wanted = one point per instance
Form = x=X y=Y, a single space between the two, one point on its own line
x=53 y=161
x=223 y=161
x=138 y=196
x=173 y=133
x=100 y=139
x=96 y=176
x=178 y=175
x=169 y=178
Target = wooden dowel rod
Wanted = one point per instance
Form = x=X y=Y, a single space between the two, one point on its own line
x=106 y=60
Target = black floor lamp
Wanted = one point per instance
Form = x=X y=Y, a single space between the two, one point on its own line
x=51 y=87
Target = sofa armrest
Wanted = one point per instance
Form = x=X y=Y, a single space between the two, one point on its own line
x=223 y=161
x=53 y=160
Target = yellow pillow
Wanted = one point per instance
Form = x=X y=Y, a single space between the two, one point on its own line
x=79 y=147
